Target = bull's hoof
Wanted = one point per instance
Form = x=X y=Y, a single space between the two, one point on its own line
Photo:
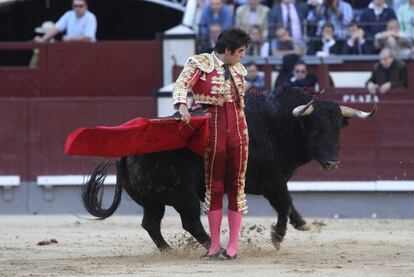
x=303 y=227
x=276 y=244
x=276 y=239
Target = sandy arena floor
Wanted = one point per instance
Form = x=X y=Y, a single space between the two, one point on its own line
x=119 y=246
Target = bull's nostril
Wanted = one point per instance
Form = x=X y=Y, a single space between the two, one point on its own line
x=332 y=164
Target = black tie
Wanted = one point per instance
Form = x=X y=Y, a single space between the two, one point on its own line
x=357 y=48
x=288 y=20
x=226 y=71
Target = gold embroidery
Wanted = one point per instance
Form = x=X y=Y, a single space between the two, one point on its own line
x=208 y=99
x=208 y=165
x=217 y=89
x=184 y=82
x=217 y=80
x=204 y=62
x=241 y=196
x=240 y=69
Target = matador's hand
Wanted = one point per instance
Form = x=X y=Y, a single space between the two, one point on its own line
x=185 y=115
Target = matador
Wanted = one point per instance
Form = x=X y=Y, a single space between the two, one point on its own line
x=217 y=83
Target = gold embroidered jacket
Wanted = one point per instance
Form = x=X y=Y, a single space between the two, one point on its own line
x=205 y=78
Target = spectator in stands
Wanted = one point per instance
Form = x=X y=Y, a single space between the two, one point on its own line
x=206 y=45
x=284 y=44
x=289 y=15
x=80 y=24
x=358 y=7
x=375 y=18
x=394 y=39
x=388 y=73
x=405 y=14
x=258 y=46
x=300 y=77
x=328 y=44
x=356 y=44
x=215 y=13
x=336 y=12
x=396 y=4
x=253 y=79
x=252 y=14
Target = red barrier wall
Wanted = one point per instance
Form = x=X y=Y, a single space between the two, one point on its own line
x=74 y=85
x=104 y=69
x=85 y=69
x=14 y=125
x=33 y=131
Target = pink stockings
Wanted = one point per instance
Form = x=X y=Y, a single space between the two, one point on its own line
x=214 y=221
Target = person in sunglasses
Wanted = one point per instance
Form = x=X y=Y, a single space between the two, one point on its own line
x=300 y=77
x=79 y=24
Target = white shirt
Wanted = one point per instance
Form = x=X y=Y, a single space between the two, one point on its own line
x=294 y=20
x=220 y=62
x=252 y=17
x=84 y=26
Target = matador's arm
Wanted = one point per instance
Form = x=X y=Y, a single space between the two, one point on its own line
x=188 y=77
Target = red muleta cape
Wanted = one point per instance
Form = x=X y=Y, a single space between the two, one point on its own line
x=138 y=136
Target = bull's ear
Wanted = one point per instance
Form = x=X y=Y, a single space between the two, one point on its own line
x=345 y=121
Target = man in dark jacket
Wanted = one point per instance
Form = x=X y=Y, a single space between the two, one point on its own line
x=356 y=44
x=328 y=44
x=388 y=73
x=376 y=17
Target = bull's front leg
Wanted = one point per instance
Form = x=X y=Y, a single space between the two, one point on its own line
x=279 y=198
x=297 y=220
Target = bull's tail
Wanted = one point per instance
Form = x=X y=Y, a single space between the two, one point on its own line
x=93 y=190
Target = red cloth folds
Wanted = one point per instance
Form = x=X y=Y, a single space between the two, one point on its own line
x=138 y=136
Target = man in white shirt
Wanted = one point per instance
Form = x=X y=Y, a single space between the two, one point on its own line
x=79 y=24
x=290 y=15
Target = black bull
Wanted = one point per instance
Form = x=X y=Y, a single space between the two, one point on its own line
x=287 y=129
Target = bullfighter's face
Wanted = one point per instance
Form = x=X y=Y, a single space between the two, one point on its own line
x=234 y=58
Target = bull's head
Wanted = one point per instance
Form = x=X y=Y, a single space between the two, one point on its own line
x=321 y=123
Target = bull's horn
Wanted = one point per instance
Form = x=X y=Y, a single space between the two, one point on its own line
x=351 y=112
x=303 y=110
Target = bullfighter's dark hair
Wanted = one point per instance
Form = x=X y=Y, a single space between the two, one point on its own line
x=231 y=39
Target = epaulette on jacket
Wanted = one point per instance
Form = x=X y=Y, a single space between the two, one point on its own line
x=204 y=62
x=240 y=69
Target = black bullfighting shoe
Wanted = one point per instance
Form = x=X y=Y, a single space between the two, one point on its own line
x=224 y=256
x=214 y=257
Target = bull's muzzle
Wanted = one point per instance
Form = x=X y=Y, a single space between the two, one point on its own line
x=331 y=165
